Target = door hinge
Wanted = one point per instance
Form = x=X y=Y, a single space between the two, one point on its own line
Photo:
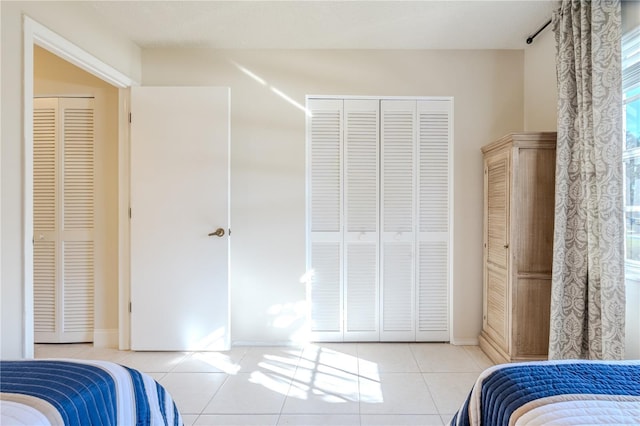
x=129 y=117
x=229 y=231
x=129 y=212
x=129 y=307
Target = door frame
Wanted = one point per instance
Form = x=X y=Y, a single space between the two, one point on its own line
x=35 y=33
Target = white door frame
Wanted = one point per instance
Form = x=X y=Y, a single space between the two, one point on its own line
x=36 y=33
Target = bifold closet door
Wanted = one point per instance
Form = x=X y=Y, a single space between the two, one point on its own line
x=398 y=206
x=324 y=218
x=63 y=205
x=343 y=175
x=415 y=206
x=361 y=218
x=379 y=219
x=433 y=219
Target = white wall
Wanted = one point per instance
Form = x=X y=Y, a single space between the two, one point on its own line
x=268 y=158
x=76 y=23
x=56 y=77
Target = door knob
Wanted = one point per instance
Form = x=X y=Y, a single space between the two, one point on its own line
x=218 y=233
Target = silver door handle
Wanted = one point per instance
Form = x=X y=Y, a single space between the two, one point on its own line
x=218 y=233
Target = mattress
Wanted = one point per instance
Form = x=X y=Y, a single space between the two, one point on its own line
x=81 y=392
x=554 y=393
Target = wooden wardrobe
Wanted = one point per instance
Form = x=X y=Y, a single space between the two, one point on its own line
x=519 y=188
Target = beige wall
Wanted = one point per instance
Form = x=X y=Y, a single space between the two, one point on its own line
x=268 y=158
x=630 y=15
x=540 y=88
x=74 y=22
x=540 y=92
x=56 y=77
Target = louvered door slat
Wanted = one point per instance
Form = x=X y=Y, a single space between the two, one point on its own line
x=324 y=134
x=78 y=287
x=45 y=145
x=325 y=163
x=78 y=169
x=361 y=166
x=78 y=219
x=433 y=186
x=44 y=288
x=361 y=190
x=398 y=136
x=433 y=290
x=44 y=167
x=397 y=169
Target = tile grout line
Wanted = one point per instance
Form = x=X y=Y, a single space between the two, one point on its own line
x=359 y=390
x=422 y=375
x=284 y=400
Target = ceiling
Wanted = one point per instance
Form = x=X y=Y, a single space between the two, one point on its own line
x=346 y=24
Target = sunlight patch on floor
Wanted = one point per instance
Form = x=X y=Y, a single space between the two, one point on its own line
x=218 y=360
x=320 y=373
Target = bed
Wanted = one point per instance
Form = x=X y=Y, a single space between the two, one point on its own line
x=81 y=392
x=554 y=393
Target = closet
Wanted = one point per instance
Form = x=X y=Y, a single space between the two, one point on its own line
x=379 y=218
x=63 y=219
x=519 y=188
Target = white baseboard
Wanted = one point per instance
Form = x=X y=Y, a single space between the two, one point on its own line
x=105 y=338
x=470 y=341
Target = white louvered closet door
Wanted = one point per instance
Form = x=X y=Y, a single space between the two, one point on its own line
x=379 y=218
x=397 y=171
x=325 y=256
x=361 y=189
x=63 y=220
x=432 y=278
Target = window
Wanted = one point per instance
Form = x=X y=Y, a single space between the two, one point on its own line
x=631 y=148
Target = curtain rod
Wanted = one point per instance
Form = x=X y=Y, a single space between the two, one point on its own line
x=530 y=39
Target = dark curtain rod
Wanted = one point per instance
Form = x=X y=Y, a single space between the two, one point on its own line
x=530 y=39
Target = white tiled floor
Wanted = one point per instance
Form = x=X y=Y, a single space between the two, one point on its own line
x=321 y=384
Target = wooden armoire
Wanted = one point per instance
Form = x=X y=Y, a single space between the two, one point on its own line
x=519 y=188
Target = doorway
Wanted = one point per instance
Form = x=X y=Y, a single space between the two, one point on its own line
x=76 y=263
x=36 y=35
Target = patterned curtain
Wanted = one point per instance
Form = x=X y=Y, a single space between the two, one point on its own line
x=588 y=289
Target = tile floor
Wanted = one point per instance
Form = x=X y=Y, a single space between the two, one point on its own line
x=320 y=384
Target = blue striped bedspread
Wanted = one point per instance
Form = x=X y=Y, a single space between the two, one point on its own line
x=554 y=393
x=81 y=392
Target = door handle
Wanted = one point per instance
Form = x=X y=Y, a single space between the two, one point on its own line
x=218 y=233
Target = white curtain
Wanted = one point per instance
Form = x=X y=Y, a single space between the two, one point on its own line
x=588 y=299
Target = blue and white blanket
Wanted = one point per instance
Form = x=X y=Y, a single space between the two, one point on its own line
x=81 y=392
x=554 y=393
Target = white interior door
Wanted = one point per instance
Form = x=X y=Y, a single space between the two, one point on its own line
x=179 y=197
